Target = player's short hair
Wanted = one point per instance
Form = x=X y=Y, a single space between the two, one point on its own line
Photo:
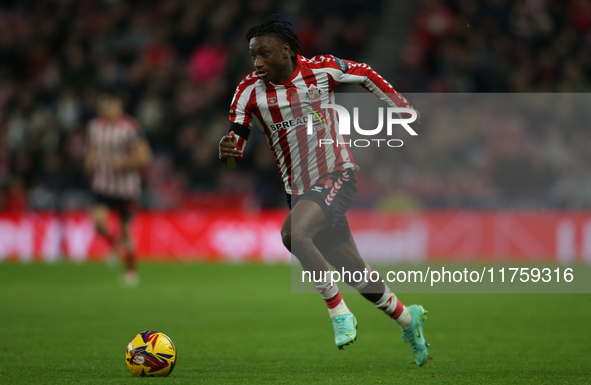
x=277 y=28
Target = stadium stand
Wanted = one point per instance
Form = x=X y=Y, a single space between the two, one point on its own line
x=179 y=61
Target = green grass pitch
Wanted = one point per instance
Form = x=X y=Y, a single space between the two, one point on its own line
x=239 y=324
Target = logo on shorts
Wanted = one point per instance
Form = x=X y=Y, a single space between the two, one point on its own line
x=327 y=182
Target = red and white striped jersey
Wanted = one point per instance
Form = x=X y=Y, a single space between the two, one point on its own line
x=113 y=140
x=277 y=108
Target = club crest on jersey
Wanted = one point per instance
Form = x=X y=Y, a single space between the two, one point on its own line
x=272 y=101
x=313 y=93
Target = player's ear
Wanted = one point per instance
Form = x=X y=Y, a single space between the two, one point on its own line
x=285 y=50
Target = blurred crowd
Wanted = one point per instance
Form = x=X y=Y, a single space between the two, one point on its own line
x=485 y=150
x=179 y=62
x=520 y=158
x=499 y=46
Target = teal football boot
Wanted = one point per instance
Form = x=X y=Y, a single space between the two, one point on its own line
x=345 y=329
x=414 y=334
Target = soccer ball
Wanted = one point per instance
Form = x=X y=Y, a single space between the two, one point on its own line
x=150 y=354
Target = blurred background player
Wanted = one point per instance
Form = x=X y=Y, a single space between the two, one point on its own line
x=116 y=153
x=319 y=181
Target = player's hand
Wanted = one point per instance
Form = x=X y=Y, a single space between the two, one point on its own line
x=228 y=146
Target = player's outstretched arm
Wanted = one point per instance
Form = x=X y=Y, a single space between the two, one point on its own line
x=349 y=72
x=376 y=84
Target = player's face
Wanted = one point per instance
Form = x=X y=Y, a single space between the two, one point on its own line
x=271 y=58
x=110 y=107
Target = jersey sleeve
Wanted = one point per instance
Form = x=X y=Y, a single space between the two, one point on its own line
x=135 y=132
x=241 y=116
x=242 y=102
x=138 y=131
x=349 y=72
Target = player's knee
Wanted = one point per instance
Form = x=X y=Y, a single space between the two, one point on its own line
x=124 y=232
x=299 y=239
x=100 y=219
x=100 y=225
x=286 y=238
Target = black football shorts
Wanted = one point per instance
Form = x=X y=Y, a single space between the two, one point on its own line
x=124 y=206
x=334 y=193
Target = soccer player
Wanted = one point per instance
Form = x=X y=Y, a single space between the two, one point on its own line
x=319 y=180
x=116 y=153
